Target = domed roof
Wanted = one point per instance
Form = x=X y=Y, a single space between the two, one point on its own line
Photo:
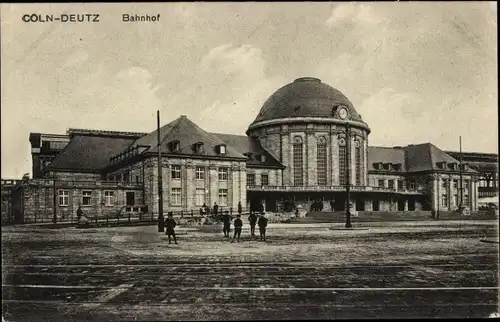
x=305 y=97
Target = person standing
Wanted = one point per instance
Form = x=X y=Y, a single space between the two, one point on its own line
x=332 y=205
x=237 y=228
x=252 y=219
x=216 y=209
x=79 y=213
x=262 y=226
x=226 y=221
x=170 y=225
x=240 y=209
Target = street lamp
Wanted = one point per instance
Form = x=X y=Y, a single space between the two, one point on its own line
x=348 y=183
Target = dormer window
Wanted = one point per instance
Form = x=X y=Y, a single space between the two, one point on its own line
x=376 y=165
x=262 y=158
x=221 y=149
x=174 y=146
x=396 y=166
x=198 y=148
x=441 y=165
x=386 y=166
x=452 y=166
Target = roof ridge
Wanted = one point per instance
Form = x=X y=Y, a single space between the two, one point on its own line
x=386 y=147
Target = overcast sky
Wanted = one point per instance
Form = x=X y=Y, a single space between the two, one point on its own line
x=416 y=72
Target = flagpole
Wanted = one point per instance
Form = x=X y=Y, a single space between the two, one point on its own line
x=460 y=168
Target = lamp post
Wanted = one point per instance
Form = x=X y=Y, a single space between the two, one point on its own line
x=161 y=224
x=348 y=180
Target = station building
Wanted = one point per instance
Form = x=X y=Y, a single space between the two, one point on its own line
x=306 y=145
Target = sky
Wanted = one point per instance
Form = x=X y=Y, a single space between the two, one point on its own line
x=416 y=72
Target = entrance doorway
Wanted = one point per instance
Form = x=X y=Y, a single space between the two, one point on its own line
x=401 y=205
x=360 y=204
x=339 y=203
x=130 y=196
x=376 y=205
x=411 y=204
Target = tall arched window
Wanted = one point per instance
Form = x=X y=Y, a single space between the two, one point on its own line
x=342 y=159
x=298 y=161
x=357 y=156
x=321 y=159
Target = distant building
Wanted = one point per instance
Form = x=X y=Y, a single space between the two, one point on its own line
x=298 y=149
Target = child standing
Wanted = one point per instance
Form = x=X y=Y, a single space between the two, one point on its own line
x=170 y=225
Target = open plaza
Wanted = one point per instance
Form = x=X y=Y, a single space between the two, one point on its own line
x=413 y=269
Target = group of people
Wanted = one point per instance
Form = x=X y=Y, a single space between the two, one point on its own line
x=169 y=224
x=253 y=220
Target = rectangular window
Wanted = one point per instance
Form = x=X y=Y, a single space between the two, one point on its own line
x=358 y=165
x=455 y=198
x=86 y=196
x=175 y=196
x=342 y=165
x=381 y=183
x=108 y=198
x=444 y=200
x=455 y=184
x=401 y=185
x=223 y=174
x=137 y=179
x=126 y=177
x=176 y=172
x=264 y=180
x=390 y=184
x=222 y=197
x=444 y=184
x=63 y=198
x=466 y=184
x=321 y=164
x=200 y=196
x=412 y=185
x=200 y=173
x=250 y=179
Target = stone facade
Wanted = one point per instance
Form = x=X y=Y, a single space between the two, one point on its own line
x=36 y=199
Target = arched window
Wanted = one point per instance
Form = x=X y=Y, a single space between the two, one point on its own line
x=321 y=158
x=342 y=159
x=298 y=161
x=357 y=156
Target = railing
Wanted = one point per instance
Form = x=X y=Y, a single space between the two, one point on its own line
x=487 y=192
x=331 y=188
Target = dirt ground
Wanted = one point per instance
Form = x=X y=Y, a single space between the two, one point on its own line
x=316 y=271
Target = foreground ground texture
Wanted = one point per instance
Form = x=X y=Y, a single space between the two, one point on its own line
x=316 y=271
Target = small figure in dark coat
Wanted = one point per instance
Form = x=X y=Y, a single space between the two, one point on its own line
x=252 y=219
x=79 y=213
x=262 y=226
x=240 y=209
x=216 y=209
x=237 y=228
x=170 y=225
x=226 y=220
x=161 y=223
x=332 y=205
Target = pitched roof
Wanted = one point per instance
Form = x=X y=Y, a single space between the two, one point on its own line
x=424 y=157
x=385 y=155
x=89 y=152
x=244 y=144
x=187 y=133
